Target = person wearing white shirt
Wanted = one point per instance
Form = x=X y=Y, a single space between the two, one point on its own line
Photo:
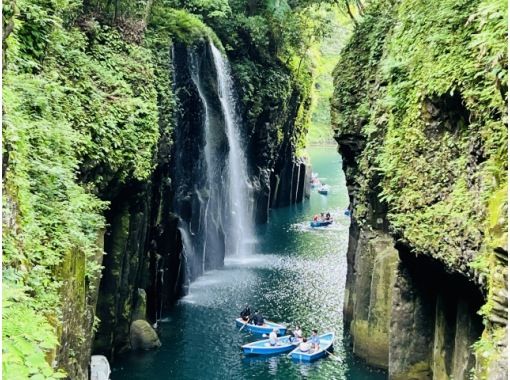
x=305 y=346
x=273 y=337
x=298 y=333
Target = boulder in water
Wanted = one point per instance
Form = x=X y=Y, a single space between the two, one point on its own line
x=142 y=336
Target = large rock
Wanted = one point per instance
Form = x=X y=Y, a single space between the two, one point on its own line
x=142 y=336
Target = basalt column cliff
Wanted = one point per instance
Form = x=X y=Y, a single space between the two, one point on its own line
x=419 y=115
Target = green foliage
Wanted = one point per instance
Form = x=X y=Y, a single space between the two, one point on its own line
x=123 y=13
x=405 y=91
x=209 y=9
x=180 y=25
x=426 y=94
x=80 y=115
x=26 y=336
x=324 y=56
x=487 y=351
x=121 y=135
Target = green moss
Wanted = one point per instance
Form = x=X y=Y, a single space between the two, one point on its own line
x=370 y=343
x=418 y=371
x=169 y=24
x=488 y=348
x=488 y=352
x=421 y=93
x=80 y=114
x=426 y=94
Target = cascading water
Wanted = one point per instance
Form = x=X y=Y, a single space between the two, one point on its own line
x=241 y=219
x=212 y=214
x=213 y=194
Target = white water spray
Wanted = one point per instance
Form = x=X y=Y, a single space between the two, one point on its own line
x=208 y=152
x=240 y=229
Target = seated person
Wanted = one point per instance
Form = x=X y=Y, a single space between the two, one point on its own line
x=273 y=337
x=328 y=216
x=315 y=341
x=298 y=333
x=258 y=319
x=305 y=346
x=245 y=313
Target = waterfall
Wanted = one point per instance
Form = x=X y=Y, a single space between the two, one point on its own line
x=213 y=194
x=212 y=170
x=240 y=217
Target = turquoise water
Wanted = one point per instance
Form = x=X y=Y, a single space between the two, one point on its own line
x=296 y=275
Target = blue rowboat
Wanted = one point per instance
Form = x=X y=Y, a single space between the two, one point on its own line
x=266 y=328
x=326 y=342
x=263 y=347
x=318 y=223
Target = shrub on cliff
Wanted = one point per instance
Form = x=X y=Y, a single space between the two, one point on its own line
x=80 y=113
x=425 y=95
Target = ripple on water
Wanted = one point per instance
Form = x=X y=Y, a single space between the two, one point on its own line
x=297 y=275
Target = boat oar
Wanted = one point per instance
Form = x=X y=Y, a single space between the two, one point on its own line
x=243 y=326
x=334 y=356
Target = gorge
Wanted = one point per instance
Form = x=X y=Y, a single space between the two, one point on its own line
x=156 y=177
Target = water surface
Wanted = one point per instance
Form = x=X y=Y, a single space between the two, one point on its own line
x=295 y=275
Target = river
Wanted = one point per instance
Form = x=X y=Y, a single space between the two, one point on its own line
x=295 y=275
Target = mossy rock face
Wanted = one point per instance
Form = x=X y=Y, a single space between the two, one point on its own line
x=432 y=146
x=142 y=336
x=372 y=281
x=370 y=344
x=140 y=305
x=418 y=371
x=420 y=118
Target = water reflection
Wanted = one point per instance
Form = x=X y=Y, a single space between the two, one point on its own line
x=296 y=275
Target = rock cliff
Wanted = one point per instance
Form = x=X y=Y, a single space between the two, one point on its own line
x=417 y=113
x=148 y=221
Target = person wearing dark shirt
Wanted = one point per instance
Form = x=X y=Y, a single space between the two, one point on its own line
x=245 y=313
x=258 y=319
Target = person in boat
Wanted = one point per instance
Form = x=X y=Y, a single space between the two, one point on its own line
x=273 y=337
x=328 y=217
x=322 y=217
x=315 y=341
x=298 y=333
x=246 y=313
x=257 y=319
x=305 y=346
x=315 y=218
